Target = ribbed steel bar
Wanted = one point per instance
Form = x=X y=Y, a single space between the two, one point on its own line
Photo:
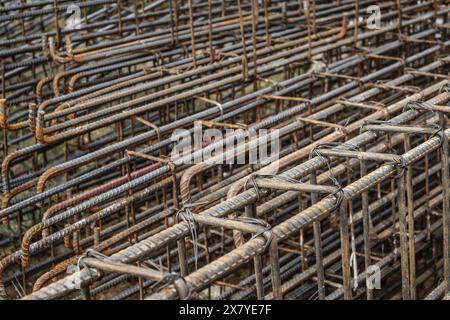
x=128 y=141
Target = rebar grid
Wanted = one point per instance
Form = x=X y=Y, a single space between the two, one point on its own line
x=355 y=205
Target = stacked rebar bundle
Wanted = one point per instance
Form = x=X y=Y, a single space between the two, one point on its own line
x=100 y=202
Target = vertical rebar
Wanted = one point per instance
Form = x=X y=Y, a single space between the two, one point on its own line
x=403 y=236
x=411 y=228
x=318 y=245
x=244 y=47
x=345 y=251
x=191 y=27
x=366 y=229
x=445 y=200
x=250 y=211
x=275 y=269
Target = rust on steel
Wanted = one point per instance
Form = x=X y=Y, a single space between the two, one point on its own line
x=224 y=149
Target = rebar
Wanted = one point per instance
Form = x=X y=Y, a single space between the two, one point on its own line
x=224 y=149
